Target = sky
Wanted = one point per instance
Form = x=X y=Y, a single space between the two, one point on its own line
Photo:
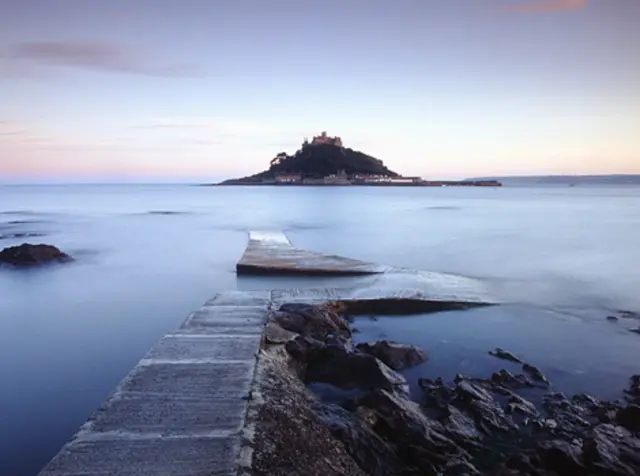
x=175 y=90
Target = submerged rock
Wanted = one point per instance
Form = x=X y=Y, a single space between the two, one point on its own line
x=506 y=379
x=395 y=355
x=505 y=355
x=27 y=255
x=535 y=373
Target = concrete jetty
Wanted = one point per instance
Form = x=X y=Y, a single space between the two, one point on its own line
x=181 y=410
x=271 y=252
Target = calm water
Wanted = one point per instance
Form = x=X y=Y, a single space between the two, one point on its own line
x=562 y=258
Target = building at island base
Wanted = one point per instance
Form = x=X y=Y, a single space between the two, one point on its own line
x=364 y=179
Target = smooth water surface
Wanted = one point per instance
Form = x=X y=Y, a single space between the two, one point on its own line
x=148 y=255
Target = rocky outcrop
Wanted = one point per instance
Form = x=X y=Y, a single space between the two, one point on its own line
x=395 y=355
x=27 y=255
x=504 y=355
x=319 y=161
x=469 y=426
x=317 y=322
x=340 y=365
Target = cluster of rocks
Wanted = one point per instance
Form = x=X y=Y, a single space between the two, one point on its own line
x=626 y=315
x=27 y=255
x=464 y=427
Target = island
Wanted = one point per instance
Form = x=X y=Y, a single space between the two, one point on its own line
x=326 y=161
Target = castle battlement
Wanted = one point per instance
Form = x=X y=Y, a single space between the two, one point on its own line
x=323 y=138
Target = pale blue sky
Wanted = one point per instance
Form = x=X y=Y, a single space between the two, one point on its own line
x=206 y=89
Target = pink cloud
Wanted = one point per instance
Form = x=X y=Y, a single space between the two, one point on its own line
x=94 y=55
x=546 y=6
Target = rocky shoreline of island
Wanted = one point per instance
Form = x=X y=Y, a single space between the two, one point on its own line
x=466 y=425
x=321 y=183
x=325 y=161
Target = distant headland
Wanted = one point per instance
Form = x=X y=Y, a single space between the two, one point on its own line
x=326 y=161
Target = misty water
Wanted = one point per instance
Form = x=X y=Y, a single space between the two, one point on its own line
x=561 y=259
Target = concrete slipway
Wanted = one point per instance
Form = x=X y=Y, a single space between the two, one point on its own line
x=181 y=410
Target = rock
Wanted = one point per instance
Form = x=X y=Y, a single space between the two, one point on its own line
x=310 y=321
x=342 y=367
x=629 y=417
x=274 y=334
x=304 y=349
x=629 y=314
x=570 y=416
x=612 y=318
x=635 y=331
x=437 y=393
x=487 y=413
x=27 y=255
x=375 y=456
x=461 y=429
x=562 y=457
x=289 y=439
x=506 y=379
x=633 y=393
x=517 y=404
x=611 y=450
x=395 y=355
x=421 y=441
x=535 y=373
x=505 y=355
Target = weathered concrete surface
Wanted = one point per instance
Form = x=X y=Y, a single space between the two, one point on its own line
x=272 y=253
x=463 y=293
x=180 y=411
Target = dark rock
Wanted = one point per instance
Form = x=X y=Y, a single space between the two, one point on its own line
x=27 y=255
x=274 y=334
x=611 y=450
x=562 y=457
x=506 y=379
x=304 y=349
x=289 y=438
x=629 y=417
x=519 y=405
x=421 y=441
x=461 y=428
x=437 y=393
x=395 y=355
x=505 y=355
x=572 y=418
x=343 y=367
x=535 y=373
x=635 y=331
x=375 y=456
x=633 y=393
x=311 y=321
x=629 y=314
x=476 y=401
x=612 y=318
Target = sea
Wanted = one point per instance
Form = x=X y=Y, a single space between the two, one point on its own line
x=562 y=259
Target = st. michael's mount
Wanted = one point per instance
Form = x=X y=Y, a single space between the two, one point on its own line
x=325 y=161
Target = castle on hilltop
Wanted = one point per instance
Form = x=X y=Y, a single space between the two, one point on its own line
x=323 y=138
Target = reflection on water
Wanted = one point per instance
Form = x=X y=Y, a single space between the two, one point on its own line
x=148 y=255
x=459 y=341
